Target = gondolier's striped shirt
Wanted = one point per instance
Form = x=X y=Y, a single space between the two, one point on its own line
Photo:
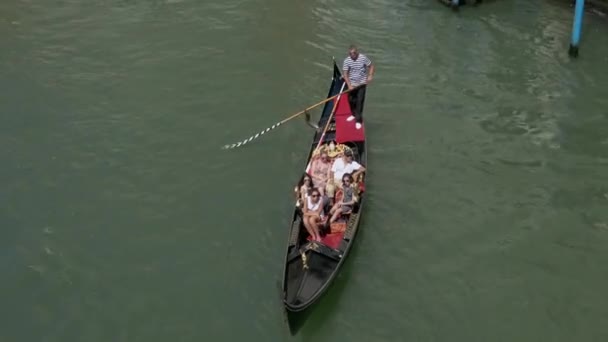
x=357 y=70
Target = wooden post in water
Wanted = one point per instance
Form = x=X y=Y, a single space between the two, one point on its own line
x=576 y=27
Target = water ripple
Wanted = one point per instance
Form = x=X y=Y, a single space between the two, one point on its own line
x=487 y=163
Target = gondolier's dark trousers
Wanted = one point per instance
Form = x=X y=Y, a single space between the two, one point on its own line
x=356 y=100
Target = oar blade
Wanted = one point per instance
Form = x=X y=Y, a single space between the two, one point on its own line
x=253 y=137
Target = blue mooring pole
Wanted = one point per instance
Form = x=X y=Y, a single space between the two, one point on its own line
x=455 y=4
x=576 y=27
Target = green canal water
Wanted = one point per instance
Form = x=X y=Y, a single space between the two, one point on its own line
x=121 y=219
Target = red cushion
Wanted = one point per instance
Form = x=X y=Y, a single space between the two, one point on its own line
x=331 y=240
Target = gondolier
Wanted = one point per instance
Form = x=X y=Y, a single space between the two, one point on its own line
x=357 y=70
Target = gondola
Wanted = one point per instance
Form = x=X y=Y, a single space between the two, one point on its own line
x=311 y=266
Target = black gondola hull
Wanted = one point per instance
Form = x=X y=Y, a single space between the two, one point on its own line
x=310 y=266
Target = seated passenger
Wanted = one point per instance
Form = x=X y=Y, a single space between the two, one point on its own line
x=345 y=205
x=304 y=189
x=320 y=171
x=341 y=166
x=312 y=214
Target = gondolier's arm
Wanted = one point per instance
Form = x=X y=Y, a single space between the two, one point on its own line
x=345 y=76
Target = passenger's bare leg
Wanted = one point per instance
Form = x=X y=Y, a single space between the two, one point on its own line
x=308 y=227
x=315 y=227
x=334 y=208
x=337 y=213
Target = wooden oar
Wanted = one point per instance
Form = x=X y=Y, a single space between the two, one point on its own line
x=255 y=136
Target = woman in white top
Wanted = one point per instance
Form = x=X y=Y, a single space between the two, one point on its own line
x=312 y=214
